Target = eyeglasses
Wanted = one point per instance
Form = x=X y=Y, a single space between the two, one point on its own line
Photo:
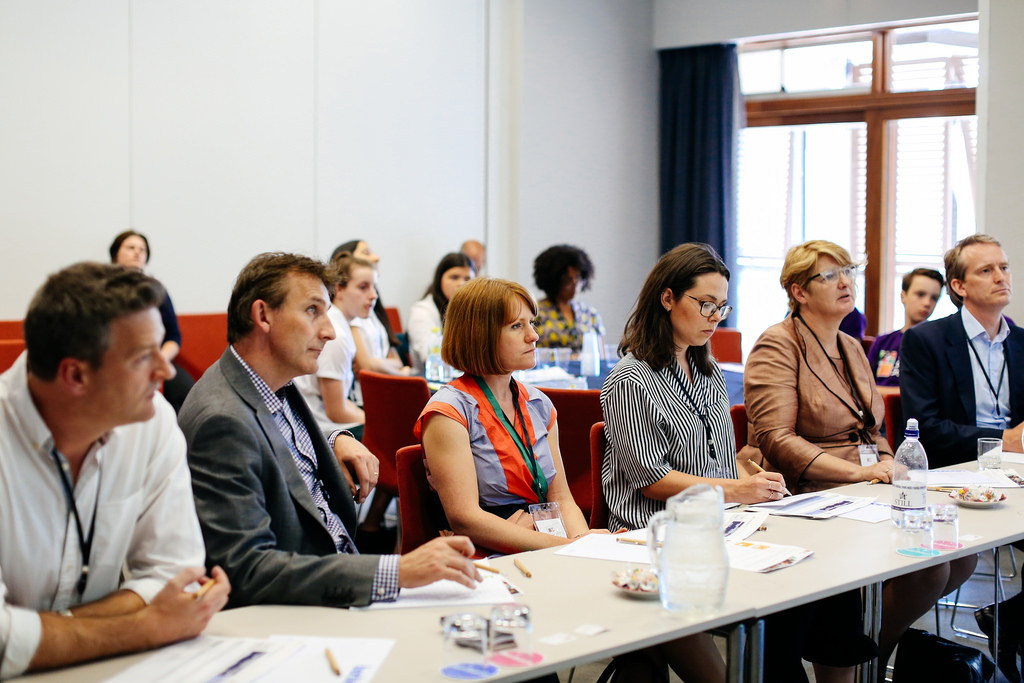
x=709 y=308
x=831 y=275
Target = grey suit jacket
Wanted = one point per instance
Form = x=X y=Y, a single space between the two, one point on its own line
x=258 y=518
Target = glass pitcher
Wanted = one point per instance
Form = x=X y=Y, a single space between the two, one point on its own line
x=691 y=561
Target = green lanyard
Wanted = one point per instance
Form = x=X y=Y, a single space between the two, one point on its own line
x=540 y=482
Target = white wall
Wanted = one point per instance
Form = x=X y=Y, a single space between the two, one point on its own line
x=228 y=127
x=589 y=173
x=1000 y=136
x=678 y=23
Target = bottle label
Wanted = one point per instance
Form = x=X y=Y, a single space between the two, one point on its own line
x=909 y=497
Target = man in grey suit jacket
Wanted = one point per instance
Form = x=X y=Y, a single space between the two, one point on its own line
x=274 y=496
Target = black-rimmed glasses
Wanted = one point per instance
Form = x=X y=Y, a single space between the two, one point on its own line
x=709 y=308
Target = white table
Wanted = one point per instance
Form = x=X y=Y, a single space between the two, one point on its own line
x=565 y=593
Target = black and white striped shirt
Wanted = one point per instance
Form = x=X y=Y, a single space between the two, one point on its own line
x=652 y=429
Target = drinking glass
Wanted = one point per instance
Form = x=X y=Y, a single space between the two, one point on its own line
x=915 y=535
x=990 y=454
x=511 y=636
x=466 y=648
x=945 y=526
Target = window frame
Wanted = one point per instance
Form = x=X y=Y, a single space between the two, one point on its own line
x=876 y=109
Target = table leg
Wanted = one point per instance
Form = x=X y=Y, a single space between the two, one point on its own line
x=755 y=651
x=872 y=595
x=736 y=650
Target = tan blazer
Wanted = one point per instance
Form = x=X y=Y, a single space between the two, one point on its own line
x=799 y=407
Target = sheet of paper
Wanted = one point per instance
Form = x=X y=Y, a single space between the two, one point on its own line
x=740 y=525
x=209 y=658
x=609 y=547
x=490 y=591
x=957 y=478
x=1017 y=458
x=358 y=658
x=872 y=513
x=752 y=556
x=817 y=505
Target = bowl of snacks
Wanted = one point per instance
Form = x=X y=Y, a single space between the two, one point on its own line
x=637 y=582
x=977 y=497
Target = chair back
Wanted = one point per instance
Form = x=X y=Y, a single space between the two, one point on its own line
x=599 y=510
x=204 y=336
x=738 y=413
x=578 y=410
x=414 y=498
x=894 y=423
x=726 y=345
x=10 y=349
x=866 y=341
x=392 y=404
x=395 y=318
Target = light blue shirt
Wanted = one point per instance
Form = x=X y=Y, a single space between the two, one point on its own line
x=993 y=362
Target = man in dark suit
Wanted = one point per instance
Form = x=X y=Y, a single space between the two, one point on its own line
x=273 y=494
x=963 y=378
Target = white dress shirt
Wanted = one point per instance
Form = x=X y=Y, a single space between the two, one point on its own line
x=145 y=516
x=990 y=351
x=424 y=319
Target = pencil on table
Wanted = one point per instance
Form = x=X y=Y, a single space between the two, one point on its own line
x=485 y=567
x=519 y=565
x=634 y=541
x=332 y=661
x=874 y=481
x=204 y=589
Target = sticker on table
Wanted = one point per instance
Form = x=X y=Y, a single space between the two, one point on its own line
x=513 y=658
x=946 y=545
x=469 y=671
x=918 y=552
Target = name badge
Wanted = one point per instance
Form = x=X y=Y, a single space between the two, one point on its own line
x=868 y=454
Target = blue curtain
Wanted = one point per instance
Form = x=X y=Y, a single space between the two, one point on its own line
x=701 y=110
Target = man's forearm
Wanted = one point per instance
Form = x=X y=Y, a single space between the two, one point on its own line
x=70 y=640
x=117 y=603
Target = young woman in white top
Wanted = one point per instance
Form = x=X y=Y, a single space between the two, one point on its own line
x=427 y=315
x=327 y=392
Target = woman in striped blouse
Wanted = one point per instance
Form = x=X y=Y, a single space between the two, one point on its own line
x=665 y=404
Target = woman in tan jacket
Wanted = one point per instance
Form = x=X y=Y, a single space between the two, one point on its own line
x=815 y=413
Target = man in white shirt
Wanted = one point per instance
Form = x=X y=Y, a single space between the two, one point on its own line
x=93 y=481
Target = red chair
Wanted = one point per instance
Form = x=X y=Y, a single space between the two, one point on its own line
x=738 y=413
x=414 y=499
x=599 y=511
x=11 y=329
x=726 y=345
x=204 y=336
x=10 y=349
x=395 y=318
x=894 y=422
x=578 y=410
x=392 y=404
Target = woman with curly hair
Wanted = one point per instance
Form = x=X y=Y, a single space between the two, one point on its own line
x=562 y=319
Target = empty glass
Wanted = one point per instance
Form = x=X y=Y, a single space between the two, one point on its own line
x=511 y=635
x=945 y=526
x=915 y=534
x=990 y=454
x=466 y=648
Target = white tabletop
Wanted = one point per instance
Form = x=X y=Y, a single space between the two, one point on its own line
x=566 y=593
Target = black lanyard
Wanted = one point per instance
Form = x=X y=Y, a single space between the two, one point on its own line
x=702 y=415
x=84 y=542
x=988 y=380
x=523 y=443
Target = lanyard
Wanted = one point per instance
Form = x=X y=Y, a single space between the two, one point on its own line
x=988 y=380
x=702 y=415
x=523 y=443
x=84 y=542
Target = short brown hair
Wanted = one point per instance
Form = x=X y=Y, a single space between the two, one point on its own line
x=472 y=325
x=954 y=261
x=931 y=273
x=802 y=263
x=339 y=271
x=70 y=315
x=263 y=278
x=648 y=334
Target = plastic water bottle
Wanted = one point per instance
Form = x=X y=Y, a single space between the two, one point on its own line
x=433 y=367
x=909 y=475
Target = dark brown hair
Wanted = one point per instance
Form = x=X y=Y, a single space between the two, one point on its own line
x=908 y=279
x=263 y=278
x=70 y=315
x=648 y=334
x=115 y=246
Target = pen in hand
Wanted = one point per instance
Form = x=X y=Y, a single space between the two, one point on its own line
x=785 y=491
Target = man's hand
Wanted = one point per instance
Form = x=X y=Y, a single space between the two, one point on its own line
x=177 y=615
x=1012 y=439
x=442 y=558
x=359 y=466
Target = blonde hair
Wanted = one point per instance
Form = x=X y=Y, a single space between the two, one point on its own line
x=473 y=322
x=802 y=264
x=956 y=269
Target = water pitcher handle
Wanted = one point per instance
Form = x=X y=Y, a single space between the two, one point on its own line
x=659 y=519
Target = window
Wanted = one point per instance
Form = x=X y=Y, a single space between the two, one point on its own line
x=865 y=139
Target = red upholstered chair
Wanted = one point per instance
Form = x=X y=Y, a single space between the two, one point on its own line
x=414 y=498
x=10 y=349
x=726 y=345
x=577 y=411
x=599 y=510
x=895 y=425
x=738 y=413
x=395 y=318
x=204 y=336
x=11 y=329
x=392 y=403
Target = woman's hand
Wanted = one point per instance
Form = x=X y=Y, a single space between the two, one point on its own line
x=759 y=488
x=881 y=470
